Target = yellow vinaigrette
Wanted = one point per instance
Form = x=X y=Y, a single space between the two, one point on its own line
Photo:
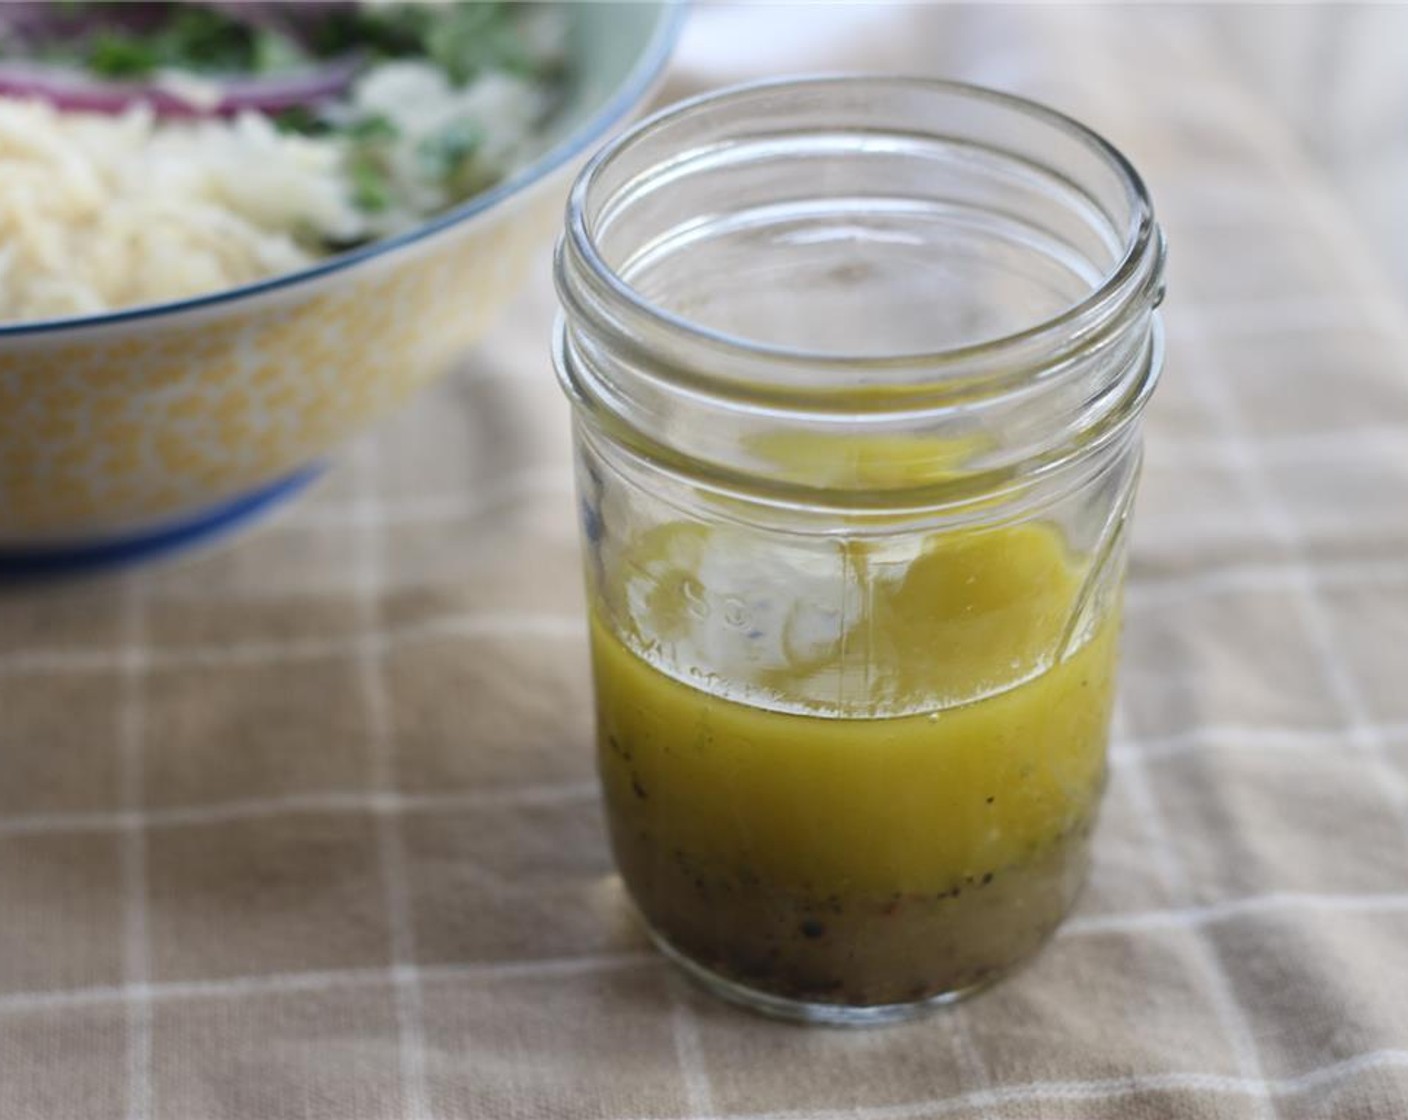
x=873 y=860
x=857 y=367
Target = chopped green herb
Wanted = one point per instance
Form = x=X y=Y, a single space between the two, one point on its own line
x=274 y=51
x=112 y=54
x=468 y=39
x=200 y=39
x=302 y=120
x=205 y=40
x=371 y=188
x=373 y=128
x=392 y=31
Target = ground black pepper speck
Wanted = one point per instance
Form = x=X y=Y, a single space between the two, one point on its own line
x=807 y=941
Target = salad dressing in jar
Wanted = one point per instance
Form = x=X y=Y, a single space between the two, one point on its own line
x=857 y=367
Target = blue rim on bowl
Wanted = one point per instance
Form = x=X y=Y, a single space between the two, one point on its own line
x=642 y=76
x=24 y=565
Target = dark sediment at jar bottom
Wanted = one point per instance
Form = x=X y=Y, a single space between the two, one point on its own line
x=858 y=948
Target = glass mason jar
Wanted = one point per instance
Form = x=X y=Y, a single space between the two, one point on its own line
x=857 y=366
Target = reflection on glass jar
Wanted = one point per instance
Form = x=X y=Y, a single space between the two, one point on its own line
x=857 y=367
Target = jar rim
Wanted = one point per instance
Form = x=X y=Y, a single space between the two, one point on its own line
x=1095 y=313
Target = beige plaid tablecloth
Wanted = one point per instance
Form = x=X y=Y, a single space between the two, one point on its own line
x=306 y=825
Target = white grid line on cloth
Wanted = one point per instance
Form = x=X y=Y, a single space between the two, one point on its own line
x=1271 y=315
x=1386 y=316
x=472 y=624
x=136 y=957
x=1275 y=316
x=1135 y=922
x=425 y=510
x=1228 y=1010
x=1295 y=447
x=553 y=793
x=1361 y=730
x=1218 y=737
x=1153 y=682
x=279 y=983
x=420 y=510
x=390 y=841
x=1124 y=750
x=1323 y=1079
x=1290 y=575
x=689 y=1050
x=1236 y=1029
x=1137 y=783
x=1143 y=592
x=1196 y=917
x=1222 y=409
x=971 y=1062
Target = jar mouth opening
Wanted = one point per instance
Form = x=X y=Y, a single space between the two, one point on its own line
x=1131 y=283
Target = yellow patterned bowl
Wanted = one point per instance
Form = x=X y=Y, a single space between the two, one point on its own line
x=132 y=432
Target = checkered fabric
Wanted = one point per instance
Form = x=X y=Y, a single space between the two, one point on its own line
x=305 y=825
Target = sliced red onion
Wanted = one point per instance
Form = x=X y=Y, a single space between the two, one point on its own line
x=74 y=91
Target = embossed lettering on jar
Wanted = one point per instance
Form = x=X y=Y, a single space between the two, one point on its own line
x=857 y=367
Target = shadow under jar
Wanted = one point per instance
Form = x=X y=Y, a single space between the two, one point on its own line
x=857 y=367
